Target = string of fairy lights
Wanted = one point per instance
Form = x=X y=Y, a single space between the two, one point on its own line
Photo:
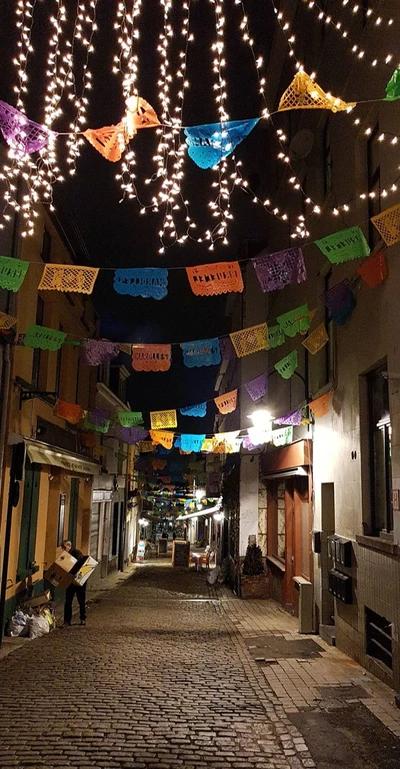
x=126 y=64
x=68 y=80
x=359 y=8
x=356 y=49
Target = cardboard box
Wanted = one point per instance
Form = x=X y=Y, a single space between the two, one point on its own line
x=86 y=568
x=66 y=561
x=59 y=573
x=40 y=600
x=58 y=577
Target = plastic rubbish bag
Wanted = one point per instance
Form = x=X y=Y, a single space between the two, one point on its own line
x=38 y=626
x=50 y=616
x=18 y=624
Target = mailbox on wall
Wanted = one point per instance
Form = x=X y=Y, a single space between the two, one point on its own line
x=341 y=586
x=340 y=550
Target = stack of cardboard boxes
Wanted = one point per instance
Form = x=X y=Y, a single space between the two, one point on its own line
x=67 y=570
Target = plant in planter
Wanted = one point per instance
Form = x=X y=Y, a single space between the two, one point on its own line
x=254 y=580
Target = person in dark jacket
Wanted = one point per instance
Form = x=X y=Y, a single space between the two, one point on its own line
x=72 y=590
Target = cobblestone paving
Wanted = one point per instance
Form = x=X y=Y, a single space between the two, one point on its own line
x=158 y=679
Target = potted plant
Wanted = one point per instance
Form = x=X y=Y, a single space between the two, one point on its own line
x=254 y=579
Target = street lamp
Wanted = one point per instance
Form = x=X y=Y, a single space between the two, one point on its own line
x=262 y=419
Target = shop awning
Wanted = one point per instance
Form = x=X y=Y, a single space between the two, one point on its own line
x=43 y=454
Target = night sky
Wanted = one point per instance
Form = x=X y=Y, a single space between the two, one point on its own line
x=114 y=232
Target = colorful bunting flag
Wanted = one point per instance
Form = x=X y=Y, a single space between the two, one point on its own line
x=95 y=352
x=68 y=278
x=151 y=357
x=110 y=141
x=388 y=224
x=274 y=271
x=7 y=321
x=44 y=338
x=295 y=321
x=190 y=442
x=98 y=416
x=345 y=245
x=199 y=410
x=374 y=270
x=22 y=135
x=212 y=279
x=131 y=435
x=98 y=428
x=162 y=437
x=159 y=464
x=87 y=439
x=130 y=418
x=320 y=406
x=340 y=302
x=12 y=273
x=202 y=352
x=282 y=437
x=208 y=144
x=393 y=87
x=144 y=281
x=227 y=348
x=139 y=114
x=250 y=340
x=276 y=337
x=316 y=340
x=207 y=445
x=305 y=93
x=162 y=419
x=71 y=412
x=294 y=418
x=226 y=403
x=287 y=365
x=257 y=387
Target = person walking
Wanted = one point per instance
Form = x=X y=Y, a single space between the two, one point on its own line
x=72 y=590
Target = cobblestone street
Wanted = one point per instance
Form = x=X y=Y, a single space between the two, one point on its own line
x=168 y=673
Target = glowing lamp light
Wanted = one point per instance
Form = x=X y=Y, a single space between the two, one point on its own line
x=261 y=418
x=143 y=522
x=200 y=493
x=218 y=517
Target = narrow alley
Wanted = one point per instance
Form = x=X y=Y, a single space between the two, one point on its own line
x=170 y=672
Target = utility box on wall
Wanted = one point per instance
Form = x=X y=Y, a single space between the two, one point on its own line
x=305 y=589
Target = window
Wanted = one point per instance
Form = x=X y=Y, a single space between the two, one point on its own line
x=276 y=520
x=30 y=505
x=36 y=359
x=374 y=184
x=58 y=366
x=61 y=519
x=379 y=637
x=46 y=246
x=379 y=429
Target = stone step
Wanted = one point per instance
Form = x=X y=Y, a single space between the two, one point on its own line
x=328 y=634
